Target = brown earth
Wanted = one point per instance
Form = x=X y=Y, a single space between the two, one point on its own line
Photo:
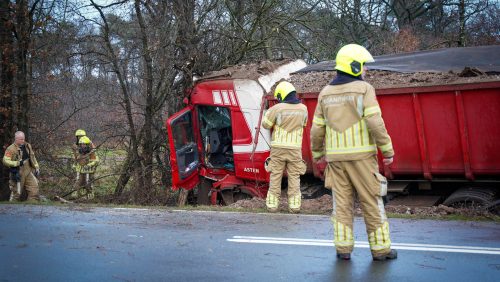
x=323 y=205
x=246 y=71
x=315 y=81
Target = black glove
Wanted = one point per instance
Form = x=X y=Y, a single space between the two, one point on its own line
x=21 y=162
x=14 y=174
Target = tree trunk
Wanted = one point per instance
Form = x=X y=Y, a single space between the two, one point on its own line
x=183 y=195
x=267 y=42
x=7 y=72
x=125 y=173
x=149 y=111
x=23 y=44
x=135 y=162
x=186 y=39
x=461 y=12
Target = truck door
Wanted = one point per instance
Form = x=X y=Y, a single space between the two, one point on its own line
x=184 y=156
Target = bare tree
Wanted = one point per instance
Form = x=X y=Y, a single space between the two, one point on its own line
x=7 y=72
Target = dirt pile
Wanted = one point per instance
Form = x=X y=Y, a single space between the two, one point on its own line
x=323 y=205
x=246 y=71
x=315 y=81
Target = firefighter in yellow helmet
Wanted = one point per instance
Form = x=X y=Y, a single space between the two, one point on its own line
x=347 y=129
x=85 y=167
x=79 y=133
x=287 y=119
x=20 y=159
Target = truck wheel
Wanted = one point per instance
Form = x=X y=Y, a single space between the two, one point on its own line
x=471 y=197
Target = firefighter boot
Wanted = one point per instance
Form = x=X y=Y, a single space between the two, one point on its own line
x=15 y=191
x=272 y=202
x=90 y=194
x=74 y=195
x=294 y=203
x=393 y=254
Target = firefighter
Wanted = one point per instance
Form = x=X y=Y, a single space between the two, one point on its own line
x=24 y=169
x=85 y=167
x=79 y=133
x=287 y=119
x=347 y=129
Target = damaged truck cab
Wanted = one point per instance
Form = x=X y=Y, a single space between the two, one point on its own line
x=217 y=143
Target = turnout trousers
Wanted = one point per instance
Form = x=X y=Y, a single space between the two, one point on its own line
x=28 y=183
x=361 y=177
x=290 y=160
x=83 y=186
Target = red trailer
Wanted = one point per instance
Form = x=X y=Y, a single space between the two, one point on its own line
x=440 y=133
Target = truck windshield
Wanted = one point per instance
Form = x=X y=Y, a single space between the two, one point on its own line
x=215 y=129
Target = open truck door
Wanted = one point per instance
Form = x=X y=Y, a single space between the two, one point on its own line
x=184 y=156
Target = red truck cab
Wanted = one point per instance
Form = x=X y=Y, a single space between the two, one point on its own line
x=217 y=141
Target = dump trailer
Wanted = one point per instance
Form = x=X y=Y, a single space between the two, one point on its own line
x=441 y=115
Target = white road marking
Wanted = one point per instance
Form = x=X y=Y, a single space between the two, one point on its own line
x=130 y=209
x=364 y=244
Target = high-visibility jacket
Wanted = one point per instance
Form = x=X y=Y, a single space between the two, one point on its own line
x=75 y=147
x=348 y=124
x=13 y=155
x=87 y=163
x=288 y=122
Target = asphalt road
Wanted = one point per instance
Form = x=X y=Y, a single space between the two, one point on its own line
x=43 y=243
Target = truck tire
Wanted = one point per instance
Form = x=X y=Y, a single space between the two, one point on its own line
x=494 y=207
x=471 y=197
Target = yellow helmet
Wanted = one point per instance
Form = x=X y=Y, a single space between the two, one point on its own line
x=351 y=58
x=84 y=140
x=283 y=89
x=80 y=132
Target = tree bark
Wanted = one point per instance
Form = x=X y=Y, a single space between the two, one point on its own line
x=7 y=72
x=186 y=39
x=461 y=12
x=135 y=160
x=23 y=45
x=149 y=111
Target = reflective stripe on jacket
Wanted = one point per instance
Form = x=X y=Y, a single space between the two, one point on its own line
x=288 y=122
x=13 y=156
x=348 y=124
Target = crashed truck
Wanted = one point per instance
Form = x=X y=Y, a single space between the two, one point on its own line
x=441 y=109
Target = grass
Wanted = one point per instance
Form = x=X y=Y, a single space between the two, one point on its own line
x=55 y=175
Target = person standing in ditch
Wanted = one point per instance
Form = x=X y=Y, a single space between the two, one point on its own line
x=347 y=129
x=21 y=160
x=85 y=167
x=287 y=119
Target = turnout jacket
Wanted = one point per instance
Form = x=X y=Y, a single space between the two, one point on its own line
x=348 y=124
x=288 y=122
x=87 y=163
x=13 y=155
